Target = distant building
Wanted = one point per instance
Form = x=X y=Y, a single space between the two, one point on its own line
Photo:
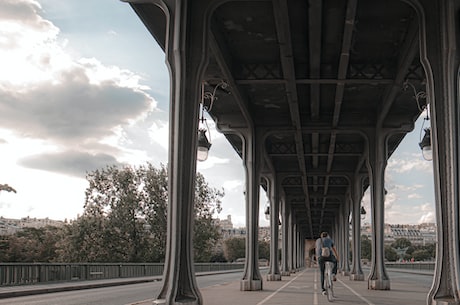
x=421 y=234
x=9 y=226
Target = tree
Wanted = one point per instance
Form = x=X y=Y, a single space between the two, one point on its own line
x=264 y=249
x=390 y=254
x=366 y=247
x=32 y=245
x=401 y=243
x=421 y=255
x=125 y=219
x=234 y=248
x=206 y=234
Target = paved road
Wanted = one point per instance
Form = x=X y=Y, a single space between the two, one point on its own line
x=113 y=295
x=223 y=289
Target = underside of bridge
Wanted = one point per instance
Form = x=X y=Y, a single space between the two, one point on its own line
x=317 y=80
x=315 y=96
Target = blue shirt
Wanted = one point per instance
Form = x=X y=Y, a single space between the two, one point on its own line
x=327 y=242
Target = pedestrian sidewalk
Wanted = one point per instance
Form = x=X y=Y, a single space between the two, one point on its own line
x=304 y=288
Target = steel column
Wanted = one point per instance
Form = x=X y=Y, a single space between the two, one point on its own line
x=356 y=195
x=188 y=25
x=345 y=237
x=274 y=190
x=378 y=277
x=285 y=270
x=252 y=279
x=439 y=48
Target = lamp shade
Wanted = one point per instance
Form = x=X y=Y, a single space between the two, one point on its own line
x=425 y=145
x=203 y=146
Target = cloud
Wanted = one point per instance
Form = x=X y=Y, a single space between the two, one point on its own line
x=429 y=217
x=409 y=164
x=74 y=104
x=414 y=196
x=69 y=162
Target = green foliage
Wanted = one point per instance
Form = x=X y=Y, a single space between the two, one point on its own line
x=264 y=249
x=234 y=248
x=390 y=254
x=366 y=247
x=31 y=245
x=125 y=218
x=401 y=243
x=206 y=234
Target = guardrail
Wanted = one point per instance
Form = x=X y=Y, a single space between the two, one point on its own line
x=26 y=274
x=420 y=266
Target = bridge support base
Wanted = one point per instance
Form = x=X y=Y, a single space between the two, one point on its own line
x=285 y=273
x=356 y=277
x=187 y=301
x=444 y=301
x=273 y=277
x=251 y=285
x=379 y=284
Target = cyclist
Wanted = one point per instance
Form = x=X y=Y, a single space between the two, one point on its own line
x=326 y=242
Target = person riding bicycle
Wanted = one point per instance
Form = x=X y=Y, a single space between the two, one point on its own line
x=326 y=242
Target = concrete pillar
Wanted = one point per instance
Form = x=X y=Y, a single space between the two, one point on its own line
x=439 y=48
x=187 y=26
x=274 y=190
x=345 y=228
x=252 y=158
x=356 y=195
x=378 y=277
x=285 y=270
x=294 y=245
x=291 y=242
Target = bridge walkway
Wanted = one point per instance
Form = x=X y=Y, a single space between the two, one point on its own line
x=303 y=287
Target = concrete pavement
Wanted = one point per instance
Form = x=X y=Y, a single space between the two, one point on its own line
x=299 y=288
x=304 y=288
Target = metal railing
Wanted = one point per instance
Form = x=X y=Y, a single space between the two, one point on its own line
x=34 y=273
x=419 y=266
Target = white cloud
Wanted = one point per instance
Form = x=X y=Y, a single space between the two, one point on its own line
x=429 y=217
x=413 y=163
x=230 y=185
x=414 y=196
x=75 y=107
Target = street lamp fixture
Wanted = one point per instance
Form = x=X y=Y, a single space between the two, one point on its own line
x=425 y=145
x=203 y=143
x=363 y=213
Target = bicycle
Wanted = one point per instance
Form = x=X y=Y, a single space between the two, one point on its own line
x=328 y=281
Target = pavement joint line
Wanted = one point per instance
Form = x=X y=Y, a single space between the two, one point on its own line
x=141 y=302
x=356 y=293
x=279 y=289
x=315 y=286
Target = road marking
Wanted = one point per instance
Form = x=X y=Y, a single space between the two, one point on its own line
x=357 y=294
x=141 y=302
x=279 y=289
x=315 y=294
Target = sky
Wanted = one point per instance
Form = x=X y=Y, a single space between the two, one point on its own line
x=84 y=85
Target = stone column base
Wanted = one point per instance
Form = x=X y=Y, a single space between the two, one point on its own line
x=273 y=277
x=250 y=285
x=285 y=273
x=356 y=277
x=345 y=273
x=188 y=301
x=379 y=284
x=444 y=301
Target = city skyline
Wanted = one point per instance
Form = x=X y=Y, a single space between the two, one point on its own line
x=84 y=85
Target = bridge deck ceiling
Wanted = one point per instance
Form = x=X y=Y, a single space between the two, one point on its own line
x=318 y=79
